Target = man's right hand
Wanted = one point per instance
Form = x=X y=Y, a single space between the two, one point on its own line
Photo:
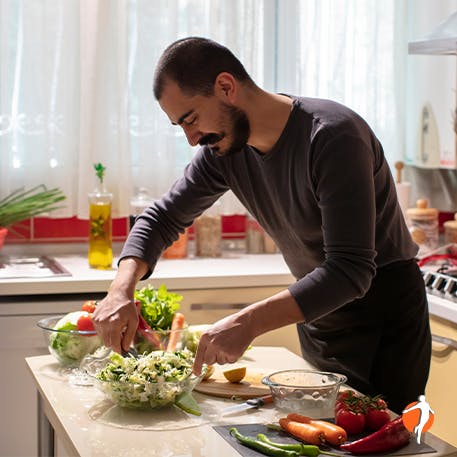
x=115 y=318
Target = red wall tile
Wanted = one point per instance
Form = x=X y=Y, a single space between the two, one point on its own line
x=72 y=229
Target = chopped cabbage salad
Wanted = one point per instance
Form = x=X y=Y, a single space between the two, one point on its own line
x=68 y=346
x=153 y=380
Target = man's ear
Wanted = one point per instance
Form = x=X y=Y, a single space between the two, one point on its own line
x=226 y=87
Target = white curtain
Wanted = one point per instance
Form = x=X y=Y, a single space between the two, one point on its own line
x=351 y=51
x=76 y=81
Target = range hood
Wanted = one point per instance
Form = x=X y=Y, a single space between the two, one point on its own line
x=441 y=41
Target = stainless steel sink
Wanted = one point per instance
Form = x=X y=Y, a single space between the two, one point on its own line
x=30 y=267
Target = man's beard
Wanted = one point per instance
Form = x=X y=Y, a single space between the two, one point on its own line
x=240 y=130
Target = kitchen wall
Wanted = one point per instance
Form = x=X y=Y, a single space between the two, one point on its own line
x=433 y=80
x=74 y=230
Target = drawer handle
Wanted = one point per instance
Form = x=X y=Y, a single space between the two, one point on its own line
x=447 y=341
x=217 y=306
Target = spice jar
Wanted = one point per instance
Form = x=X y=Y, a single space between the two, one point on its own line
x=450 y=230
x=269 y=246
x=178 y=250
x=254 y=236
x=208 y=233
x=423 y=226
x=138 y=203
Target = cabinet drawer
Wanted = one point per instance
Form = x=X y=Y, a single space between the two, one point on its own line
x=206 y=306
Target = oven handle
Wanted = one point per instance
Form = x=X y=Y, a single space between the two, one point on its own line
x=446 y=341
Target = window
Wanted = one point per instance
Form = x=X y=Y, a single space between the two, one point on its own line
x=76 y=80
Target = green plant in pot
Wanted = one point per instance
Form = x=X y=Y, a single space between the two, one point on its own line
x=23 y=204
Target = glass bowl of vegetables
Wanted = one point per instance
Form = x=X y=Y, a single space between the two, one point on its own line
x=70 y=337
x=160 y=324
x=308 y=392
x=147 y=339
x=151 y=380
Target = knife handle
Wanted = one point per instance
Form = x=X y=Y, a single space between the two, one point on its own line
x=260 y=401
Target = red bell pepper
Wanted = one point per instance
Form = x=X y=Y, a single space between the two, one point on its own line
x=390 y=437
x=145 y=330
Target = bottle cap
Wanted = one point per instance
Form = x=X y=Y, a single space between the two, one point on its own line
x=422 y=211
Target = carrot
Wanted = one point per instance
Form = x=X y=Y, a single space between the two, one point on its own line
x=334 y=434
x=299 y=418
x=176 y=325
x=306 y=432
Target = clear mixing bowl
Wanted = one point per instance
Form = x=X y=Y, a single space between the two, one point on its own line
x=308 y=392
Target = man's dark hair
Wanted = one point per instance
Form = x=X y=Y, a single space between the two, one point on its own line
x=194 y=63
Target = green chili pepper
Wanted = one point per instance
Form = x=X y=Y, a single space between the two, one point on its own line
x=303 y=449
x=260 y=446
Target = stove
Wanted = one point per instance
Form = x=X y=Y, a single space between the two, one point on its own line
x=439 y=270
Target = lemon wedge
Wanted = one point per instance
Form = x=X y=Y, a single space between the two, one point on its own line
x=235 y=374
x=187 y=403
x=209 y=372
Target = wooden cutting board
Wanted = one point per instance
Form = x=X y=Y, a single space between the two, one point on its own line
x=217 y=386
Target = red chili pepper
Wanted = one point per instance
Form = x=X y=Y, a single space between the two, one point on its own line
x=391 y=436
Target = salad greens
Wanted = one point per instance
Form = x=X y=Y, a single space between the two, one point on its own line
x=151 y=381
x=158 y=306
x=67 y=345
x=192 y=336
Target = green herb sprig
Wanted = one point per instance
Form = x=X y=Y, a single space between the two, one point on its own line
x=99 y=171
x=24 y=204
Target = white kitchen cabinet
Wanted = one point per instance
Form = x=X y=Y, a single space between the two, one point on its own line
x=20 y=338
x=206 y=306
x=440 y=392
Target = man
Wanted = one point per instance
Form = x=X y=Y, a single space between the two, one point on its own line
x=315 y=177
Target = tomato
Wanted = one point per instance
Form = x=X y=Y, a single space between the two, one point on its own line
x=352 y=421
x=376 y=418
x=89 y=306
x=85 y=323
x=380 y=403
x=349 y=400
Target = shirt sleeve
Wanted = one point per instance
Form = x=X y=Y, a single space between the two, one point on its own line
x=159 y=225
x=342 y=171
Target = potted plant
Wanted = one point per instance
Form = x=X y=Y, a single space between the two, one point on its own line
x=24 y=204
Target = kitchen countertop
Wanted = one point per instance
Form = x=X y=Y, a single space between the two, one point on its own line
x=87 y=425
x=232 y=270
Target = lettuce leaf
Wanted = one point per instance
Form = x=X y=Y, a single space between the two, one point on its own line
x=158 y=306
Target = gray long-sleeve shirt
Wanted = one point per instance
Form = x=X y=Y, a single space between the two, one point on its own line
x=324 y=193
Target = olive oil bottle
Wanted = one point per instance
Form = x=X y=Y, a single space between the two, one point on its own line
x=100 y=224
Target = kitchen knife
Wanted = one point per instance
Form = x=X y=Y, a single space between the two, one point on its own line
x=248 y=404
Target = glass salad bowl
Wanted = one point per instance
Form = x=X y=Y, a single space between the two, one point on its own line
x=151 y=380
x=308 y=392
x=67 y=344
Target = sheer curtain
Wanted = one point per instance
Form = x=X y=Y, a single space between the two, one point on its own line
x=76 y=78
x=76 y=88
x=351 y=51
